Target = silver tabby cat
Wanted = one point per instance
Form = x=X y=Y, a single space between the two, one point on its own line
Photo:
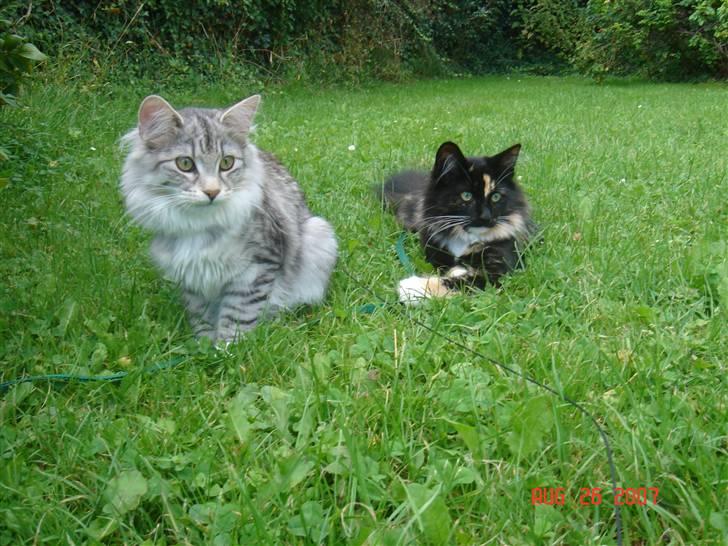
x=231 y=225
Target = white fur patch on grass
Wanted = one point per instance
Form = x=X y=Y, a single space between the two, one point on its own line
x=414 y=290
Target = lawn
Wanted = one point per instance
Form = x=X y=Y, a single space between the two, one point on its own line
x=338 y=425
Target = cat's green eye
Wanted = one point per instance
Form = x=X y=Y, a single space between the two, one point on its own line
x=495 y=197
x=184 y=163
x=466 y=196
x=227 y=163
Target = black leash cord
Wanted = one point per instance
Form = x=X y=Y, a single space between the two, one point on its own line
x=565 y=398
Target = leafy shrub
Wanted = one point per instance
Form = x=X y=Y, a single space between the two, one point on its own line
x=555 y=26
x=660 y=39
x=356 y=40
x=710 y=38
x=365 y=39
x=340 y=39
x=472 y=34
x=144 y=39
x=17 y=56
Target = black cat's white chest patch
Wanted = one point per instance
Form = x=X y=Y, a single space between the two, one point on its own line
x=462 y=241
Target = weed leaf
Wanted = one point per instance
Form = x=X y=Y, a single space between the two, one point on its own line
x=124 y=492
x=101 y=527
x=310 y=522
x=529 y=423
x=29 y=51
x=432 y=513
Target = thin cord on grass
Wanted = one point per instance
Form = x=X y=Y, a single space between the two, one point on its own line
x=65 y=378
x=71 y=378
x=529 y=379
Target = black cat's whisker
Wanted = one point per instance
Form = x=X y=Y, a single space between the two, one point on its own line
x=425 y=210
x=446 y=216
x=438 y=227
x=448 y=226
x=443 y=228
x=445 y=223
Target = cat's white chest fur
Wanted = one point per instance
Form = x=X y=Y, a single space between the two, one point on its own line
x=461 y=243
x=510 y=227
x=203 y=262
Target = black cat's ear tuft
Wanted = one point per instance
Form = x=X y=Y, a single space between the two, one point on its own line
x=448 y=160
x=506 y=160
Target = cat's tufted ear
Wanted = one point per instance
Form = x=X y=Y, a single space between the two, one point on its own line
x=449 y=162
x=158 y=121
x=506 y=160
x=239 y=118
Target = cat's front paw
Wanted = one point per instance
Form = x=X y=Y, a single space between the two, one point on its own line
x=459 y=272
x=413 y=290
x=206 y=334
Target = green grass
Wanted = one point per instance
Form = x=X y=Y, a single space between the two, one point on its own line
x=335 y=426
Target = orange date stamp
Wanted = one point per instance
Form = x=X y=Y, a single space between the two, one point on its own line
x=592 y=496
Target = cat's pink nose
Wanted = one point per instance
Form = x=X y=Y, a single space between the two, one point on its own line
x=211 y=194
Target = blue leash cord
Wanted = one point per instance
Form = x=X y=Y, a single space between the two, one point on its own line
x=70 y=378
x=402 y=255
x=368 y=308
x=407 y=265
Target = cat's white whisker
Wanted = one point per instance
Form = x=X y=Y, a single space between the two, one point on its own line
x=441 y=229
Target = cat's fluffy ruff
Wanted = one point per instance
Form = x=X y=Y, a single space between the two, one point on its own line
x=239 y=242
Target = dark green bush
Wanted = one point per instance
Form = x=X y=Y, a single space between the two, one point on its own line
x=552 y=26
x=340 y=39
x=662 y=39
x=472 y=34
x=356 y=40
x=366 y=39
x=17 y=57
x=150 y=38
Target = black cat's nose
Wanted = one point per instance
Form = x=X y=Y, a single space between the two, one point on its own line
x=211 y=194
x=484 y=219
x=485 y=216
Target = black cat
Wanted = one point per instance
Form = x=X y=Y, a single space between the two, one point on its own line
x=468 y=211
